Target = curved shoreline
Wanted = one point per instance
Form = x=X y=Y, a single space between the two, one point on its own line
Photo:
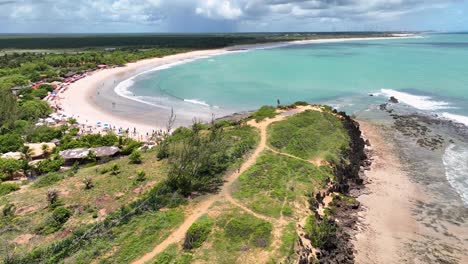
x=93 y=99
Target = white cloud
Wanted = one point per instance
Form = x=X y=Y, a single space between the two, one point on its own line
x=218 y=9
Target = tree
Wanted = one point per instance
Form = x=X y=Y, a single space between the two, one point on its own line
x=8 y=167
x=8 y=107
x=34 y=109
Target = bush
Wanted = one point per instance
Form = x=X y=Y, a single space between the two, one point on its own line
x=10 y=142
x=264 y=112
x=6 y=188
x=130 y=146
x=8 y=167
x=54 y=221
x=141 y=176
x=47 y=180
x=322 y=233
x=198 y=233
x=34 y=109
x=115 y=169
x=43 y=134
x=49 y=165
x=88 y=182
x=135 y=157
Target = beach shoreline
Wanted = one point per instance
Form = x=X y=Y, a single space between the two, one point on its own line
x=93 y=99
x=385 y=220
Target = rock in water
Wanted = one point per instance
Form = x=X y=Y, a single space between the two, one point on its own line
x=393 y=100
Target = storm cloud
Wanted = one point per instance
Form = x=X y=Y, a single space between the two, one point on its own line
x=215 y=15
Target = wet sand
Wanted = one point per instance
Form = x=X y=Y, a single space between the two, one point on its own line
x=410 y=213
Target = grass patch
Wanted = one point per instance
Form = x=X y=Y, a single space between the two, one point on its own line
x=172 y=255
x=6 y=188
x=274 y=179
x=288 y=239
x=127 y=242
x=309 y=135
x=264 y=112
x=198 y=232
x=48 y=180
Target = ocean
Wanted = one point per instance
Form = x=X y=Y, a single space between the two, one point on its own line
x=428 y=75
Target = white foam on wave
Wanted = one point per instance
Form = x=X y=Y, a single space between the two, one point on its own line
x=417 y=101
x=195 y=101
x=457 y=118
x=455 y=161
x=122 y=88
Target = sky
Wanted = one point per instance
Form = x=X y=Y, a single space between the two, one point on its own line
x=190 y=16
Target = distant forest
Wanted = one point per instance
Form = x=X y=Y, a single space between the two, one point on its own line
x=185 y=41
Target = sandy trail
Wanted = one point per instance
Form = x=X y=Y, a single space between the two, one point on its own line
x=202 y=208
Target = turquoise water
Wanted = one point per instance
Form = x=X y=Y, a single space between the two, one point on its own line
x=436 y=66
x=428 y=74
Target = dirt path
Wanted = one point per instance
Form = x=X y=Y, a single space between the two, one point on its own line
x=202 y=208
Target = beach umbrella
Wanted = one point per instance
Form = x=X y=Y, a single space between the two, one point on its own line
x=106 y=125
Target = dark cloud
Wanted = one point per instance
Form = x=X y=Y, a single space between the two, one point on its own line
x=208 y=15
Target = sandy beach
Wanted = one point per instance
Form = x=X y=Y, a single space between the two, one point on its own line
x=386 y=220
x=93 y=99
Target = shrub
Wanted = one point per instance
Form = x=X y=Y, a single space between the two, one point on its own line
x=34 y=109
x=8 y=210
x=52 y=196
x=8 y=167
x=322 y=233
x=6 y=188
x=47 y=180
x=141 y=176
x=198 y=233
x=88 y=182
x=130 y=146
x=43 y=134
x=54 y=221
x=49 y=165
x=264 y=112
x=10 y=142
x=115 y=169
x=135 y=157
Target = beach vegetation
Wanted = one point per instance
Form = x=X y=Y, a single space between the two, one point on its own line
x=48 y=179
x=322 y=232
x=310 y=135
x=6 y=188
x=10 y=142
x=8 y=167
x=276 y=182
x=49 y=165
x=264 y=112
x=135 y=157
x=198 y=233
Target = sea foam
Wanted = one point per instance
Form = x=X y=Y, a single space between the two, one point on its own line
x=417 y=101
x=455 y=161
x=195 y=101
x=457 y=118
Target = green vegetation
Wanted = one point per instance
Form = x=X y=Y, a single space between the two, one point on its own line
x=6 y=188
x=198 y=232
x=248 y=229
x=48 y=180
x=288 y=239
x=198 y=158
x=322 y=232
x=135 y=157
x=264 y=112
x=310 y=135
x=54 y=221
x=275 y=182
x=173 y=256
